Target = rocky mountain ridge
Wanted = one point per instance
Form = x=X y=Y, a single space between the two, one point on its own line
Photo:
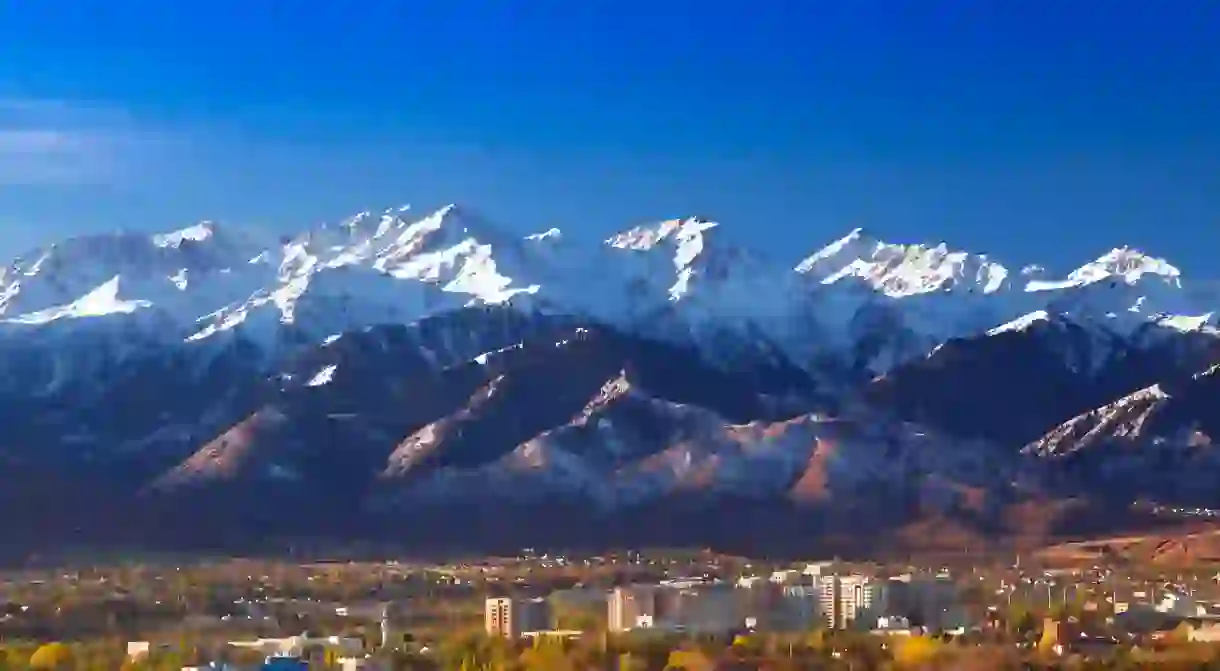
x=391 y=367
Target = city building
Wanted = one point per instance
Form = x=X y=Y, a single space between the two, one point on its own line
x=628 y=604
x=386 y=625
x=845 y=599
x=894 y=625
x=818 y=569
x=784 y=577
x=512 y=618
x=138 y=649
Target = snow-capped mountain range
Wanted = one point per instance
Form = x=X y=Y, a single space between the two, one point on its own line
x=432 y=359
x=677 y=279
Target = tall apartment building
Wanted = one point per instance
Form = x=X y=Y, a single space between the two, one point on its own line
x=510 y=618
x=844 y=599
x=627 y=605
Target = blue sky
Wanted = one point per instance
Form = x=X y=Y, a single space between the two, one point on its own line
x=1032 y=130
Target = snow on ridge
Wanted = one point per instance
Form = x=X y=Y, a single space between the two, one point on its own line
x=394 y=271
x=680 y=277
x=197 y=233
x=856 y=241
x=1121 y=264
x=549 y=234
x=686 y=235
x=902 y=270
x=102 y=300
x=323 y=377
x=1189 y=323
x=674 y=277
x=1128 y=264
x=456 y=250
x=1021 y=323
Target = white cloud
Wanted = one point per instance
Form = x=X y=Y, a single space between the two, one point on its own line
x=50 y=142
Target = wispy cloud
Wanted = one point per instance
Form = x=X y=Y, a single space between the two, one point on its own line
x=51 y=142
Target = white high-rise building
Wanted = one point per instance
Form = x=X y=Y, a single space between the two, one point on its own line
x=510 y=618
x=844 y=599
x=631 y=604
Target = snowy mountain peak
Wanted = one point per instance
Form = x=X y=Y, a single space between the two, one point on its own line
x=679 y=279
x=102 y=300
x=447 y=235
x=156 y=268
x=680 y=255
x=449 y=217
x=857 y=244
x=197 y=233
x=1128 y=265
x=689 y=243
x=1022 y=323
x=676 y=232
x=549 y=234
x=902 y=270
x=383 y=269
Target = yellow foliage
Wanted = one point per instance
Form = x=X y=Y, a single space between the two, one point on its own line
x=51 y=657
x=1181 y=633
x=816 y=640
x=915 y=650
x=1050 y=636
x=546 y=658
x=689 y=660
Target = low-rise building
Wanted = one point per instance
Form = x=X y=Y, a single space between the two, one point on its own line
x=784 y=577
x=138 y=649
x=818 y=569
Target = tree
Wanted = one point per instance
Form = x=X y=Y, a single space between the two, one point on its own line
x=51 y=657
x=1020 y=620
x=1180 y=633
x=546 y=657
x=689 y=660
x=915 y=651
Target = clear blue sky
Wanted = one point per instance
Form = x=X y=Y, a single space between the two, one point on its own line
x=1034 y=130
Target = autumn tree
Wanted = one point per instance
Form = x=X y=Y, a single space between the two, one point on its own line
x=915 y=652
x=689 y=660
x=51 y=657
